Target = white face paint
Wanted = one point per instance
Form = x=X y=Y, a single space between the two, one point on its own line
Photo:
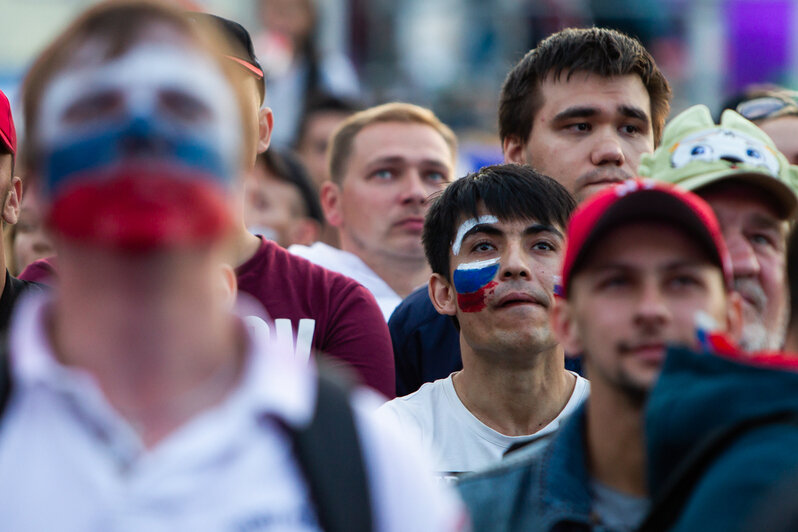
x=177 y=84
x=466 y=226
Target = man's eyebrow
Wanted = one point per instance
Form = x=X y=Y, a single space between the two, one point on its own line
x=575 y=112
x=633 y=112
x=762 y=221
x=535 y=229
x=483 y=228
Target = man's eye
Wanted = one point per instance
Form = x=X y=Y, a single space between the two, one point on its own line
x=615 y=281
x=683 y=281
x=437 y=177
x=483 y=246
x=544 y=245
x=382 y=174
x=93 y=107
x=630 y=129
x=184 y=106
x=761 y=239
x=579 y=127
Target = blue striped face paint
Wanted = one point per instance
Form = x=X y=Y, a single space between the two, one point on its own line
x=472 y=281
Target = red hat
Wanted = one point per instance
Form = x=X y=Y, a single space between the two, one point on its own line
x=642 y=200
x=8 y=135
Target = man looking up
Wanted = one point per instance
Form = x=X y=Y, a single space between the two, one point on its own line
x=582 y=107
x=385 y=162
x=643 y=261
x=495 y=242
x=134 y=381
x=750 y=185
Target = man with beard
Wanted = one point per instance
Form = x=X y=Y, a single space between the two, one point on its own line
x=750 y=185
x=495 y=243
x=643 y=261
x=385 y=162
x=582 y=107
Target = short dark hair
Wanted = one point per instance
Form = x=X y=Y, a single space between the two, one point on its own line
x=507 y=191
x=286 y=167
x=601 y=51
x=792 y=275
x=323 y=102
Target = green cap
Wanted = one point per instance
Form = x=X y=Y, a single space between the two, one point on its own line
x=696 y=152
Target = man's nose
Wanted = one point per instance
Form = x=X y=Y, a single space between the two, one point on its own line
x=744 y=260
x=414 y=189
x=607 y=150
x=652 y=308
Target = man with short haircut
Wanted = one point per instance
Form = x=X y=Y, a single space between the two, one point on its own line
x=385 y=162
x=280 y=202
x=310 y=307
x=643 y=262
x=750 y=185
x=495 y=242
x=132 y=397
x=775 y=111
x=581 y=107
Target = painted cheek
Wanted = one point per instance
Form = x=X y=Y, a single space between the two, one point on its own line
x=473 y=282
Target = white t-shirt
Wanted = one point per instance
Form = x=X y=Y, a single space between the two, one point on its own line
x=352 y=266
x=458 y=441
x=70 y=462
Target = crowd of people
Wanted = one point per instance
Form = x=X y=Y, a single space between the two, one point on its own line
x=204 y=332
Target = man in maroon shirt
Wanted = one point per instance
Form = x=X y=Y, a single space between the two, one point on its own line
x=308 y=305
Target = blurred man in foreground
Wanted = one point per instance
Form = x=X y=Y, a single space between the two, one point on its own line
x=135 y=382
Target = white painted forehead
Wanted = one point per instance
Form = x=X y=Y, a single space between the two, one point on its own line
x=144 y=69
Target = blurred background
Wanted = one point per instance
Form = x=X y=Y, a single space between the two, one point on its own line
x=452 y=55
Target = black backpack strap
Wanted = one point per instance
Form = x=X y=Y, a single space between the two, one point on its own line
x=667 y=507
x=329 y=453
x=5 y=375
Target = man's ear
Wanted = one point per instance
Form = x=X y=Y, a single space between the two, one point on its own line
x=12 y=201
x=228 y=285
x=305 y=231
x=514 y=150
x=442 y=295
x=330 y=196
x=734 y=317
x=265 y=128
x=565 y=327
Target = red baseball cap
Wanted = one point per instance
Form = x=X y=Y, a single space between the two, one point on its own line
x=642 y=200
x=8 y=135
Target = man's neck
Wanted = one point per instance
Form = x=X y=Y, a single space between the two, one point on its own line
x=402 y=274
x=615 y=444
x=244 y=246
x=513 y=400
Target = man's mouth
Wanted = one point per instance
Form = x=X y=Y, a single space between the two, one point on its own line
x=514 y=299
x=653 y=352
x=411 y=223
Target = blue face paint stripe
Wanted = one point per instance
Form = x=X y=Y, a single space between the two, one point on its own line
x=472 y=276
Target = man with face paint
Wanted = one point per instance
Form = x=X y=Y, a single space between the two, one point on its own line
x=495 y=242
x=644 y=262
x=313 y=308
x=582 y=107
x=751 y=186
x=136 y=395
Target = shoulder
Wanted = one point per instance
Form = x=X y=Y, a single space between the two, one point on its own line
x=416 y=408
x=414 y=311
x=405 y=494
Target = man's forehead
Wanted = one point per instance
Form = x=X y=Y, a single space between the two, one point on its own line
x=741 y=198
x=383 y=140
x=586 y=89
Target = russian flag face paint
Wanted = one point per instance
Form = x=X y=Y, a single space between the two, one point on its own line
x=142 y=150
x=473 y=281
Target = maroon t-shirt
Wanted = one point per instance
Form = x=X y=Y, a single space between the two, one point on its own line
x=338 y=312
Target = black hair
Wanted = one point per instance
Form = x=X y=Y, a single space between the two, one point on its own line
x=286 y=167
x=324 y=102
x=507 y=191
x=601 y=51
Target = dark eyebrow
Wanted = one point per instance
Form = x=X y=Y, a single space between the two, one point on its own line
x=761 y=221
x=633 y=112
x=535 y=229
x=575 y=112
x=483 y=228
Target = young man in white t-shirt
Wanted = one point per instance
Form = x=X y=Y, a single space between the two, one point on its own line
x=494 y=240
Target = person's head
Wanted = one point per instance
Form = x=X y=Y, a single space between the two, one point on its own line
x=322 y=114
x=292 y=19
x=258 y=120
x=133 y=127
x=10 y=184
x=582 y=107
x=385 y=162
x=495 y=240
x=280 y=201
x=791 y=343
x=644 y=261
x=29 y=238
x=776 y=113
x=750 y=185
